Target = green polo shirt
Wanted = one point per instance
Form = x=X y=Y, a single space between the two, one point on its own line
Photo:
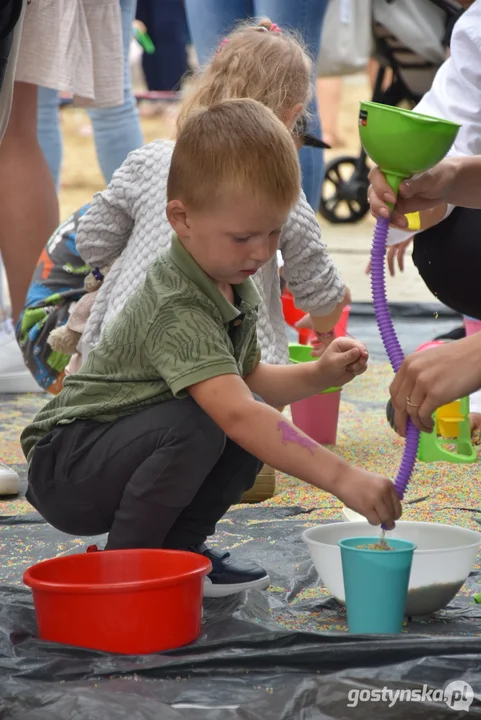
x=177 y=330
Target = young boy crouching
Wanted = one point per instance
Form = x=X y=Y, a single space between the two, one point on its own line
x=163 y=429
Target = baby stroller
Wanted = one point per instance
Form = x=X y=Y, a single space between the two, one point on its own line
x=344 y=193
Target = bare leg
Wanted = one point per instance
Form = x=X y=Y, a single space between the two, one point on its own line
x=372 y=69
x=28 y=201
x=329 y=97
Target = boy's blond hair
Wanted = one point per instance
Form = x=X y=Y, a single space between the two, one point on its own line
x=254 y=62
x=237 y=147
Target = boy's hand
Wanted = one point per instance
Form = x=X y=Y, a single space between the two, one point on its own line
x=370 y=495
x=341 y=362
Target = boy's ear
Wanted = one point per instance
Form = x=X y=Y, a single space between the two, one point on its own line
x=177 y=217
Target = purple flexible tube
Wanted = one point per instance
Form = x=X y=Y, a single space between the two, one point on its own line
x=392 y=346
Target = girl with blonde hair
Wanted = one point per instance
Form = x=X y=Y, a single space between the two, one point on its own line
x=126 y=225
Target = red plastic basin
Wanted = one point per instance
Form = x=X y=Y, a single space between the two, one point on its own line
x=120 y=601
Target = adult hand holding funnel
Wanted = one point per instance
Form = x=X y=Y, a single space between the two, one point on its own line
x=402 y=143
x=428 y=192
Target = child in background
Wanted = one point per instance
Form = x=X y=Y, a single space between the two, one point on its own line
x=160 y=431
x=127 y=222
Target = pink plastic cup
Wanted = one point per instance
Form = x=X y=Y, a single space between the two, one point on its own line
x=318 y=416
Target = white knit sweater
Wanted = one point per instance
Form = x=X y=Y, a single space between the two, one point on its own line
x=127 y=224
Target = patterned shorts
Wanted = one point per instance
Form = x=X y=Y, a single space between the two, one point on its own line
x=58 y=281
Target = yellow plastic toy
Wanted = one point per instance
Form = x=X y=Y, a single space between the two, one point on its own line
x=448 y=419
x=452 y=424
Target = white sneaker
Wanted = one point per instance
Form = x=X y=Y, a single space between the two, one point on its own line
x=9 y=481
x=14 y=375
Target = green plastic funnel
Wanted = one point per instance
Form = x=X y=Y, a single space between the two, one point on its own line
x=402 y=142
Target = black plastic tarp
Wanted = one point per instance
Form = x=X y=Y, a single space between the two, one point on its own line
x=246 y=664
x=261 y=656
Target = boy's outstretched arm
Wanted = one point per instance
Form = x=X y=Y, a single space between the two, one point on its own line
x=282 y=384
x=268 y=435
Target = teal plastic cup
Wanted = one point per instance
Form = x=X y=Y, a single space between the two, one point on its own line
x=376 y=584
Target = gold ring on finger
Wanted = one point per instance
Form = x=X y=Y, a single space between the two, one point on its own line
x=408 y=402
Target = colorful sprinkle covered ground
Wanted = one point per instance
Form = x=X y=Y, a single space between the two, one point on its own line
x=438 y=492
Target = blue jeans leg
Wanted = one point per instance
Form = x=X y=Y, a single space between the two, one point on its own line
x=49 y=132
x=117 y=130
x=307 y=17
x=211 y=20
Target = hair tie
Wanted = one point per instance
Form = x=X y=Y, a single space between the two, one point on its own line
x=97 y=274
x=273 y=28
x=224 y=41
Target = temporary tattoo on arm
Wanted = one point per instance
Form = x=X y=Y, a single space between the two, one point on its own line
x=289 y=434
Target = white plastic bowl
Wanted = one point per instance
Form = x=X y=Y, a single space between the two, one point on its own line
x=443 y=559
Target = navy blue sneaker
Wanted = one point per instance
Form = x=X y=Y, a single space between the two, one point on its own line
x=230 y=576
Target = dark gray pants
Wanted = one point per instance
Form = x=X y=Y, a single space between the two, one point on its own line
x=160 y=478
